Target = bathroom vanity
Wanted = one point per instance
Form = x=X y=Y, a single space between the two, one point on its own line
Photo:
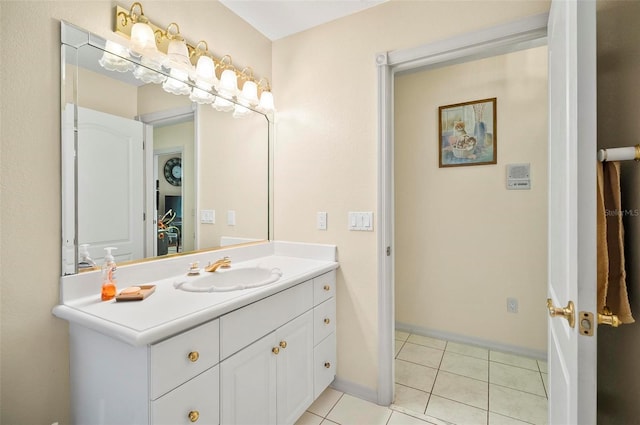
x=259 y=355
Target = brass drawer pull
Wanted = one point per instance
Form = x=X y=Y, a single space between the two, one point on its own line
x=283 y=344
x=327 y=365
x=326 y=287
x=194 y=356
x=327 y=320
x=275 y=350
x=194 y=415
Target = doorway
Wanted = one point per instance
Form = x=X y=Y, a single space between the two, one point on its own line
x=471 y=253
x=527 y=33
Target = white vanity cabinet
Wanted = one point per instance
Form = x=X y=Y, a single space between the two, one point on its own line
x=263 y=363
x=288 y=357
x=175 y=381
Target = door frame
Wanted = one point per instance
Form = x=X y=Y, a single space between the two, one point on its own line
x=510 y=37
x=157 y=119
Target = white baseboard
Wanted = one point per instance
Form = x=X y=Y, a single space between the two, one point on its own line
x=355 y=390
x=491 y=345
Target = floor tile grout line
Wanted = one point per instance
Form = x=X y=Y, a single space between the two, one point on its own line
x=334 y=406
x=516 y=389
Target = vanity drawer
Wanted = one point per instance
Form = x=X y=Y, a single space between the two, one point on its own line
x=248 y=324
x=324 y=364
x=324 y=287
x=324 y=320
x=180 y=358
x=196 y=401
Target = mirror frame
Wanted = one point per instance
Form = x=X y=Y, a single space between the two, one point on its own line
x=75 y=37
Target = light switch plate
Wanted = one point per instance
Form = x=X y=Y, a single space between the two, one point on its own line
x=361 y=221
x=321 y=219
x=208 y=216
x=231 y=218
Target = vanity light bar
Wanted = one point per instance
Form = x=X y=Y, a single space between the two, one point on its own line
x=124 y=22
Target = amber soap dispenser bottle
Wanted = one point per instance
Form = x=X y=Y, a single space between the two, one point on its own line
x=109 y=276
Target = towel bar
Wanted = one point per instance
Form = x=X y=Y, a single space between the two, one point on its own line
x=619 y=154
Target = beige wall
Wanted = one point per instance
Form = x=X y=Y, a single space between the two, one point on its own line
x=238 y=166
x=619 y=125
x=34 y=370
x=326 y=146
x=464 y=242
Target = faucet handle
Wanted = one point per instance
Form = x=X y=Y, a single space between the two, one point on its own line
x=194 y=268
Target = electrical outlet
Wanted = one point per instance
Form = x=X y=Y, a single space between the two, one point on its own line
x=512 y=305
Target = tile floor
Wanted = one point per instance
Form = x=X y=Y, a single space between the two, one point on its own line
x=441 y=382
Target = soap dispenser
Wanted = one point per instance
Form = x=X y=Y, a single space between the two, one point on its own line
x=109 y=276
x=84 y=260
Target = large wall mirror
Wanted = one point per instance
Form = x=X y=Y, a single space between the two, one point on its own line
x=150 y=172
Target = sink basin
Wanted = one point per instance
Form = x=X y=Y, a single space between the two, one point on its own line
x=230 y=280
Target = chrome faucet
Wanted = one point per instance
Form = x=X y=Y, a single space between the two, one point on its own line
x=224 y=263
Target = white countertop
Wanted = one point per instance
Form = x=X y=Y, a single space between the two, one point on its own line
x=168 y=310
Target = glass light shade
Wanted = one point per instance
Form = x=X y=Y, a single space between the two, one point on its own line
x=240 y=111
x=249 y=94
x=178 y=56
x=205 y=73
x=266 y=102
x=201 y=96
x=223 y=105
x=113 y=59
x=175 y=84
x=148 y=72
x=142 y=38
x=228 y=83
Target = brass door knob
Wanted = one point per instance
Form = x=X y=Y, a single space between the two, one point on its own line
x=327 y=365
x=567 y=312
x=194 y=415
x=275 y=350
x=283 y=344
x=327 y=320
x=608 y=318
x=194 y=356
x=326 y=287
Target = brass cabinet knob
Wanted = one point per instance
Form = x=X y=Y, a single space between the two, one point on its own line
x=194 y=415
x=283 y=344
x=194 y=356
x=327 y=320
x=327 y=365
x=275 y=350
x=326 y=287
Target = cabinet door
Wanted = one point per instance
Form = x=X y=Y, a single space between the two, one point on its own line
x=248 y=384
x=295 y=368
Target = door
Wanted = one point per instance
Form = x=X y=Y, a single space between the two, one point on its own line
x=111 y=190
x=295 y=368
x=572 y=208
x=248 y=384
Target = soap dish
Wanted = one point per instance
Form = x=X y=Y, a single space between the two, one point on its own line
x=144 y=292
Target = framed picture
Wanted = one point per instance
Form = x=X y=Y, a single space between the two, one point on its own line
x=468 y=133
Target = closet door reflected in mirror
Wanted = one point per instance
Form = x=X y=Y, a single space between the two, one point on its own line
x=116 y=191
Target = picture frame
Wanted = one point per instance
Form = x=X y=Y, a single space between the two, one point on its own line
x=468 y=133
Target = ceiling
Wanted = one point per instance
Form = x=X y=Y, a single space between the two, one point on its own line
x=280 y=18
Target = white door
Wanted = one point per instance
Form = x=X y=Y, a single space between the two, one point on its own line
x=110 y=187
x=572 y=208
x=295 y=368
x=248 y=384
